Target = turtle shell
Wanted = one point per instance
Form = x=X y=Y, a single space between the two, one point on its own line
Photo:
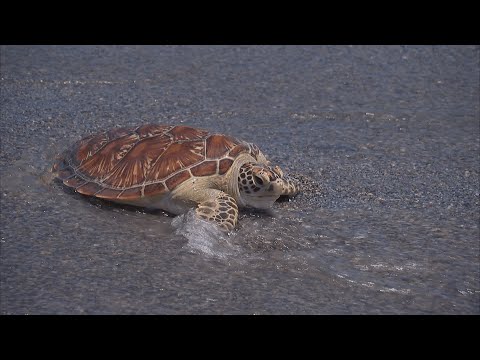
x=130 y=163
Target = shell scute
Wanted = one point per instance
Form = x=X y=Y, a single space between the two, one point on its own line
x=187 y=133
x=99 y=165
x=219 y=145
x=154 y=189
x=108 y=193
x=119 y=132
x=137 y=164
x=240 y=148
x=177 y=179
x=74 y=181
x=130 y=194
x=205 y=169
x=176 y=157
x=89 y=188
x=89 y=146
x=224 y=165
x=149 y=130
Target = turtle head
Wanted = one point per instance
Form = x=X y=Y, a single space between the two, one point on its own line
x=261 y=185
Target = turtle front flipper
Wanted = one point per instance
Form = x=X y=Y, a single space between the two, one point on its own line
x=220 y=209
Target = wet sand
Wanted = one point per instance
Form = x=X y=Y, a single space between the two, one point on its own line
x=384 y=139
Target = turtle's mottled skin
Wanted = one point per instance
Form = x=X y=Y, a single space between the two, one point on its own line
x=174 y=168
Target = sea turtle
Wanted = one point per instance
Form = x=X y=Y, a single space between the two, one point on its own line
x=174 y=168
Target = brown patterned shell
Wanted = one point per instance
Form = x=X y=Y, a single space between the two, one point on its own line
x=130 y=163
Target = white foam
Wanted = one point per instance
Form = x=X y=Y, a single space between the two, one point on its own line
x=205 y=237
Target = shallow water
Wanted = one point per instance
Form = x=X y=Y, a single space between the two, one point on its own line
x=384 y=140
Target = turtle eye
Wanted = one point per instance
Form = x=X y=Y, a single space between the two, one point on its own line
x=258 y=180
